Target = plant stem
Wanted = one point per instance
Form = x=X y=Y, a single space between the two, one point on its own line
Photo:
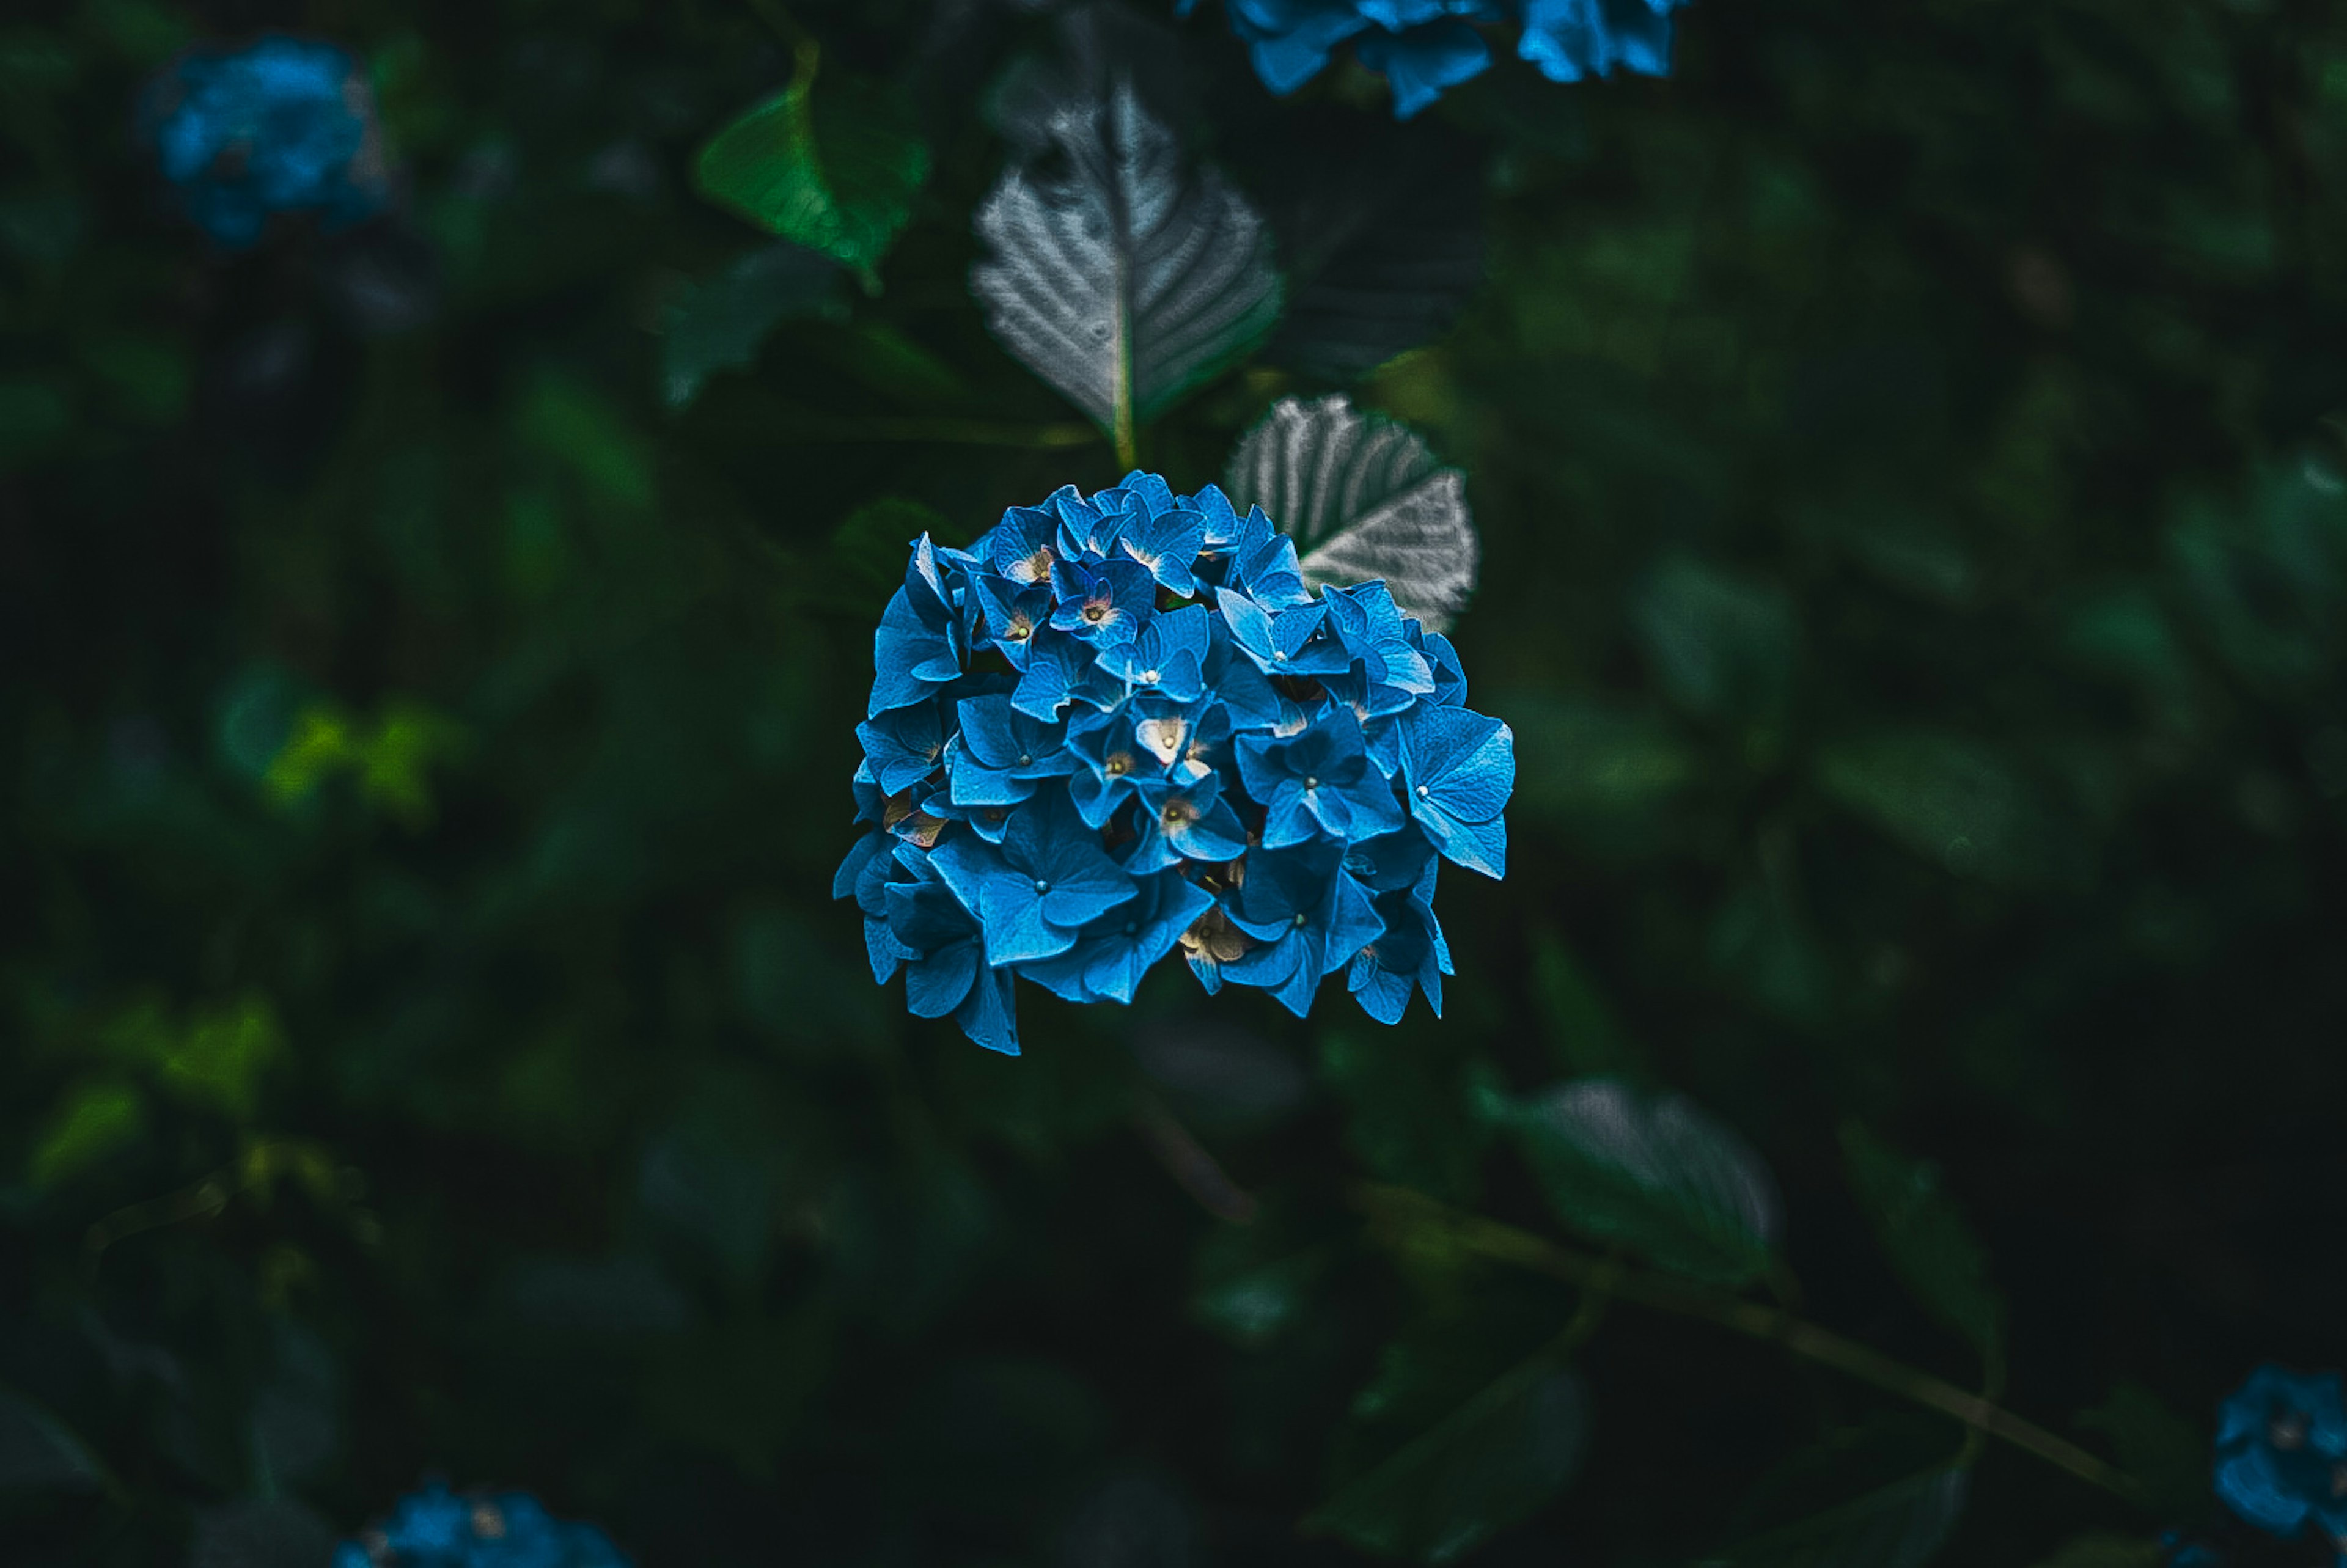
x=1418 y=1215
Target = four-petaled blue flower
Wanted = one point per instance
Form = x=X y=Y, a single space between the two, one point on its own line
x=286 y=124
x=2282 y=1453
x=436 y=1528
x=1423 y=47
x=1123 y=722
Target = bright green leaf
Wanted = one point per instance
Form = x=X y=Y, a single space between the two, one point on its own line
x=93 y=1121
x=835 y=169
x=218 y=1060
x=1927 y=1238
x=1652 y=1174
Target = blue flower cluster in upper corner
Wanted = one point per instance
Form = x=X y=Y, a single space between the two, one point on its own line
x=285 y=125
x=436 y=1528
x=1123 y=722
x=2282 y=1453
x=1422 y=46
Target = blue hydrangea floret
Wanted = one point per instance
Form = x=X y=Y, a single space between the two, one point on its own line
x=2282 y=1453
x=1124 y=723
x=1423 y=47
x=437 y=1528
x=284 y=124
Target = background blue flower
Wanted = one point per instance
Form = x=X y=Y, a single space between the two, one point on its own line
x=1424 y=46
x=2281 y=1452
x=436 y=1528
x=286 y=124
x=1190 y=749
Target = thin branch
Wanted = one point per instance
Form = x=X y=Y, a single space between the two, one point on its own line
x=1420 y=1215
x=1186 y=1160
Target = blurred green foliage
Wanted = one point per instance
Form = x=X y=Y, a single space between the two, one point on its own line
x=1907 y=449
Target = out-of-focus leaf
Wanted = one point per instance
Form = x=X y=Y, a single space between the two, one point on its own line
x=2101 y=1549
x=2266 y=575
x=297 y=1418
x=1722 y=646
x=218 y=1059
x=720 y=324
x=1382 y=229
x=93 y=1121
x=1491 y=1462
x=38 y=1453
x=1609 y=775
x=1136 y=1520
x=1927 y=1238
x=1902 y=1526
x=1113 y=274
x=1585 y=1037
x=1364 y=499
x=834 y=168
x=1956 y=803
x=1653 y=1174
x=260 y=1533
x=2166 y=1454
x=1219 y=1078
x=1406 y=1113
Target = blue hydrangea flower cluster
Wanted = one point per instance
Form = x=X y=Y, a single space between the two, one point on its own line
x=1122 y=724
x=287 y=125
x=2282 y=1453
x=436 y=1528
x=1423 y=47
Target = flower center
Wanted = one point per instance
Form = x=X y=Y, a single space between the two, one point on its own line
x=1280 y=653
x=2287 y=1432
x=1301 y=921
x=1151 y=676
x=1178 y=813
x=1042 y=885
x=1096 y=613
x=1311 y=783
x=1421 y=791
x=1026 y=761
x=1118 y=766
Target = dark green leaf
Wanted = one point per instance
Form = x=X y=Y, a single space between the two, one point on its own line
x=1365 y=500
x=1113 y=273
x=835 y=168
x=2166 y=1455
x=1902 y=1526
x=1382 y=226
x=1651 y=1173
x=37 y=1453
x=1405 y=1113
x=2101 y=1549
x=1723 y=647
x=1927 y=1238
x=260 y=1533
x=1957 y=803
x=1489 y=1463
x=720 y=324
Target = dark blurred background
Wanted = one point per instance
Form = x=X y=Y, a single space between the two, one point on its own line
x=1906 y=445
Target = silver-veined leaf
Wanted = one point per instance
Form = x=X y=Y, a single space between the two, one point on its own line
x=1364 y=498
x=1113 y=273
x=1652 y=1174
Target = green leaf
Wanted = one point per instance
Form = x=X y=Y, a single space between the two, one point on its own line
x=1954 y=801
x=1902 y=1525
x=1113 y=273
x=1612 y=776
x=1492 y=1462
x=39 y=1453
x=1721 y=646
x=1652 y=1174
x=217 y=1061
x=92 y=1121
x=2101 y=1549
x=2166 y=1454
x=720 y=323
x=1406 y=1113
x=1382 y=226
x=1365 y=500
x=1927 y=1238
x=834 y=170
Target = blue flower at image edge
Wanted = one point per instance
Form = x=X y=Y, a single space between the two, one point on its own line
x=285 y=125
x=1423 y=47
x=1121 y=725
x=2282 y=1453
x=436 y=1528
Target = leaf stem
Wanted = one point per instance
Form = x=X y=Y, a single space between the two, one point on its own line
x=1414 y=1214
